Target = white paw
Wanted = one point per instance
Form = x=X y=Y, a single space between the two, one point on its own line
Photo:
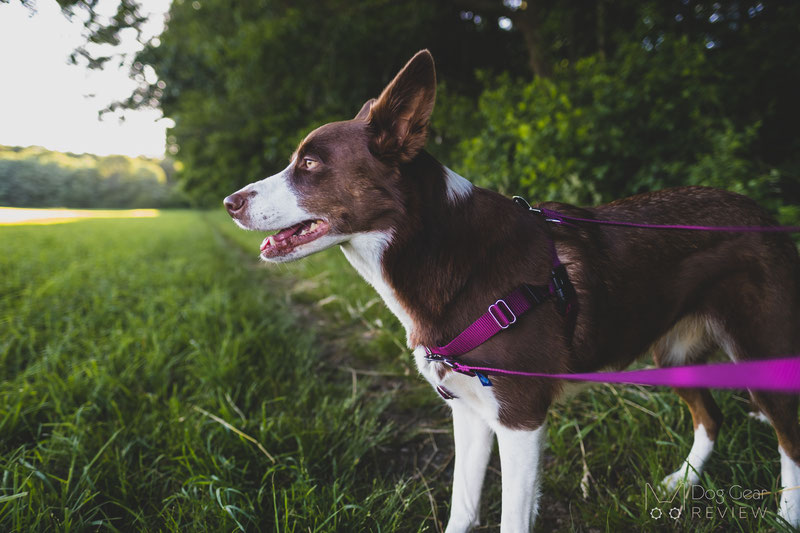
x=790 y=513
x=458 y=525
x=790 y=495
x=679 y=478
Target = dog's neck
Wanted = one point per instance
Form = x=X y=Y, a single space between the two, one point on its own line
x=432 y=189
x=442 y=242
x=365 y=252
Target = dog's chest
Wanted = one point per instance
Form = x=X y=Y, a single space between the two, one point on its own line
x=467 y=389
x=364 y=252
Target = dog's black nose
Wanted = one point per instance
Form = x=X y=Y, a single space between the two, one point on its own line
x=234 y=203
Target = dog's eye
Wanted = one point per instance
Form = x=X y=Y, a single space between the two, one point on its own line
x=309 y=163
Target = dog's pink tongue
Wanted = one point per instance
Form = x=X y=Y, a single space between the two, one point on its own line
x=286 y=233
x=279 y=237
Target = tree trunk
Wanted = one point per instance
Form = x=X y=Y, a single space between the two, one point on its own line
x=528 y=21
x=601 y=28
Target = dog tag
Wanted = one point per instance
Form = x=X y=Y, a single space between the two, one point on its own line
x=445 y=393
x=484 y=380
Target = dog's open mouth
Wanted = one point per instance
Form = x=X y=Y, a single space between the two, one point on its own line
x=286 y=240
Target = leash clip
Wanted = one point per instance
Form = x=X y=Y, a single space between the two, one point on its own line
x=455 y=367
x=433 y=357
x=452 y=365
x=436 y=358
x=522 y=202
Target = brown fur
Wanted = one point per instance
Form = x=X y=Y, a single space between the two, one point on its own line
x=447 y=261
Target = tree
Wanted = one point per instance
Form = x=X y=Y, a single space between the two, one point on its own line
x=682 y=92
x=244 y=81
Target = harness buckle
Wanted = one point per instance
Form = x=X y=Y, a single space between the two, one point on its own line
x=563 y=289
x=536 y=295
x=497 y=313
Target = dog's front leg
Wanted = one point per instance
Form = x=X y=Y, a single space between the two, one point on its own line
x=473 y=448
x=519 y=462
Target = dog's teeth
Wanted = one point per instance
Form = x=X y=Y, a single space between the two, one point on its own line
x=313 y=226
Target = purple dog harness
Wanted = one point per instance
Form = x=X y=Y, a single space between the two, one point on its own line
x=780 y=375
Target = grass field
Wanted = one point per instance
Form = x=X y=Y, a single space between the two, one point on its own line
x=155 y=377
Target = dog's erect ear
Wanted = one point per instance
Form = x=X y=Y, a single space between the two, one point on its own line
x=399 y=117
x=364 y=113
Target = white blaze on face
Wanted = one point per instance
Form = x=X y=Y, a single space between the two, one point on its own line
x=274 y=205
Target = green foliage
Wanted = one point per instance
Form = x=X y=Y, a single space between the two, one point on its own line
x=602 y=129
x=35 y=177
x=630 y=96
x=245 y=81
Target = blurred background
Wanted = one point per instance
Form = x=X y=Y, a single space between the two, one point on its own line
x=154 y=377
x=576 y=101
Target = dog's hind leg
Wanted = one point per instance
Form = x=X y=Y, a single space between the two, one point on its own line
x=764 y=324
x=781 y=410
x=473 y=439
x=706 y=418
x=689 y=343
x=771 y=333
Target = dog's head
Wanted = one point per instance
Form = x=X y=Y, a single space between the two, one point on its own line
x=344 y=177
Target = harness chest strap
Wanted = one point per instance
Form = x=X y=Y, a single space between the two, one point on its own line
x=505 y=312
x=499 y=316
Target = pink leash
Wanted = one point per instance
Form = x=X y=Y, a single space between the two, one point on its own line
x=780 y=375
x=555 y=216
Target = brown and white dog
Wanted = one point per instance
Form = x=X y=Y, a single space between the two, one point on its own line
x=440 y=250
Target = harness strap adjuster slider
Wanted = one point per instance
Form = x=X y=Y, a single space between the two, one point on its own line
x=502 y=314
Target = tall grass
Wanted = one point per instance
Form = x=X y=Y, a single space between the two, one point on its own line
x=123 y=346
x=154 y=377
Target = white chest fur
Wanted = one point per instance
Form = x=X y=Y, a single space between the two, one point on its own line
x=467 y=389
x=364 y=251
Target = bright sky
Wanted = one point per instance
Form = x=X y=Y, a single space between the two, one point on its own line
x=47 y=102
